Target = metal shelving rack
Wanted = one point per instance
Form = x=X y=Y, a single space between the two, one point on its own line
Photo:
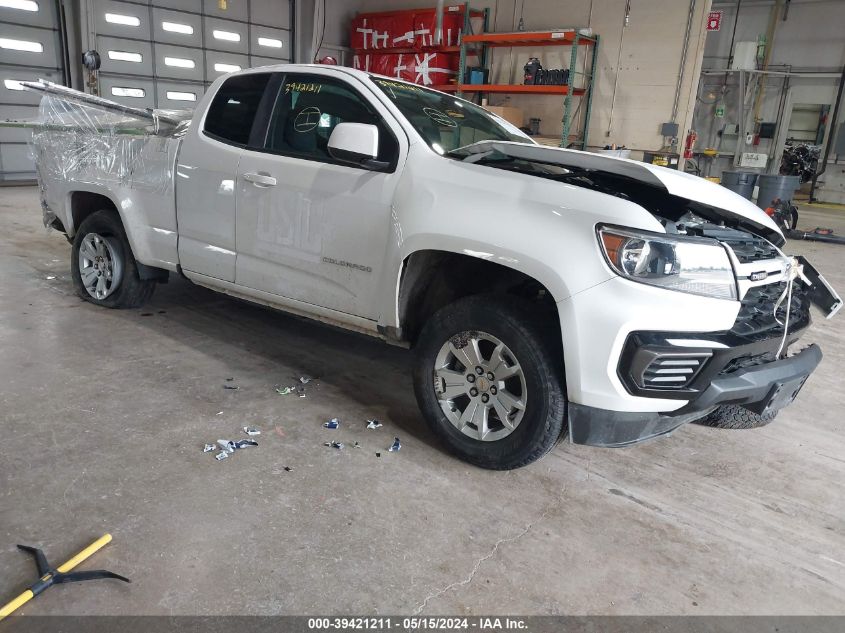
x=481 y=44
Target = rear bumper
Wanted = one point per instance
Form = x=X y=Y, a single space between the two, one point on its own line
x=761 y=388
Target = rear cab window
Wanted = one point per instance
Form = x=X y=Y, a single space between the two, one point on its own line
x=233 y=110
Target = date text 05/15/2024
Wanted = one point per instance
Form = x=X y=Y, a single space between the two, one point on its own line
x=418 y=623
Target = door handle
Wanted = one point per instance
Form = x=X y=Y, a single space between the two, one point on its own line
x=260 y=179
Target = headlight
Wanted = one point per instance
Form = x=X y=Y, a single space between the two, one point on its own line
x=694 y=265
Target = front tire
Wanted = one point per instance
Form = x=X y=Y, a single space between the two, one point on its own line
x=490 y=383
x=102 y=266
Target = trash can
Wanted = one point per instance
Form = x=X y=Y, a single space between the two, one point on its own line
x=741 y=182
x=774 y=186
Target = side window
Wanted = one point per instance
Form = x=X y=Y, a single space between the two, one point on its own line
x=233 y=109
x=307 y=109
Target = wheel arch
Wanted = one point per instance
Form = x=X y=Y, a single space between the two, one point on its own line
x=82 y=202
x=432 y=278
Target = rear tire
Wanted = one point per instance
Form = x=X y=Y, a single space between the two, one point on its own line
x=734 y=416
x=504 y=336
x=102 y=266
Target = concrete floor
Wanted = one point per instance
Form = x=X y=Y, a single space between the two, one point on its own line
x=104 y=413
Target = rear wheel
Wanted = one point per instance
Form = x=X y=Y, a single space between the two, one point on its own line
x=734 y=416
x=103 y=268
x=488 y=382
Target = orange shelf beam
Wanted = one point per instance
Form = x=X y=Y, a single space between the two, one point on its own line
x=509 y=88
x=535 y=38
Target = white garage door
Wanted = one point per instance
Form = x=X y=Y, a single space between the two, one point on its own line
x=160 y=53
x=29 y=48
x=164 y=54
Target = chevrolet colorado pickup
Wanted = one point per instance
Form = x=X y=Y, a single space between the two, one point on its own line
x=545 y=292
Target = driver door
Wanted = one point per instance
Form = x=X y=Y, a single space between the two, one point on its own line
x=309 y=227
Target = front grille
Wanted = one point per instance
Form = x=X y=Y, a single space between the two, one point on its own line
x=757 y=311
x=741 y=362
x=752 y=249
x=672 y=372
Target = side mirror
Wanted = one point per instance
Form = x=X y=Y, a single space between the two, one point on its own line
x=357 y=144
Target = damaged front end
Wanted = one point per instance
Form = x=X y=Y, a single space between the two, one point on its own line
x=714 y=245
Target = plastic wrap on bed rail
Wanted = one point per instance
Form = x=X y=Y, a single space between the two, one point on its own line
x=86 y=143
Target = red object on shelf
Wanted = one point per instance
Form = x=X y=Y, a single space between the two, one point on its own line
x=425 y=68
x=413 y=30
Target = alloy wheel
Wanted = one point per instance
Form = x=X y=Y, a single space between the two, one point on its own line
x=480 y=386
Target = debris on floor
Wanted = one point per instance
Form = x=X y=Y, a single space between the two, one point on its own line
x=337 y=445
x=332 y=424
x=395 y=446
x=283 y=391
x=233 y=387
x=221 y=456
x=305 y=379
x=251 y=430
x=208 y=448
x=356 y=445
x=230 y=446
x=378 y=454
x=288 y=468
x=374 y=424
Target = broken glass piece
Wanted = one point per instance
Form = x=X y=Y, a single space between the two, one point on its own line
x=226 y=445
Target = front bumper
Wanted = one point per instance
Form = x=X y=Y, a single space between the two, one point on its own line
x=760 y=388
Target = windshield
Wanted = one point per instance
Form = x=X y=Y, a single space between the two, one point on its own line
x=446 y=122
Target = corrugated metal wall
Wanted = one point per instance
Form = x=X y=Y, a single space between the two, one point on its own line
x=161 y=53
x=30 y=47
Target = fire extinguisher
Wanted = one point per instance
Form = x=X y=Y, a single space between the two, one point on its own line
x=691 y=138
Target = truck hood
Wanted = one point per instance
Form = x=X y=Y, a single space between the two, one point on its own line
x=725 y=202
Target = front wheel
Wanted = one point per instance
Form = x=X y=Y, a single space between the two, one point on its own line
x=489 y=382
x=103 y=268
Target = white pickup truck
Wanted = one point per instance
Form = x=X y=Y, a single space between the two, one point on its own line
x=546 y=293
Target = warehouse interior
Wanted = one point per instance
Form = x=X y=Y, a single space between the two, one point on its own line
x=349 y=500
